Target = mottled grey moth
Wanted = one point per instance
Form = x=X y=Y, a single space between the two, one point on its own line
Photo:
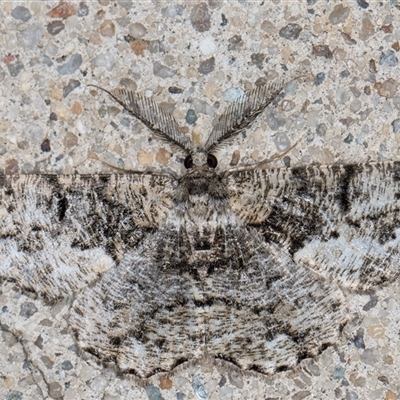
x=246 y=265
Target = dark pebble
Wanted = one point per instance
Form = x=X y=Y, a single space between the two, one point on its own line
x=322 y=50
x=200 y=17
x=45 y=146
x=27 y=309
x=257 y=59
x=153 y=392
x=127 y=4
x=344 y=74
x=83 y=10
x=339 y=14
x=21 y=13
x=396 y=125
x=321 y=129
x=311 y=2
x=15 y=69
x=359 y=341
x=348 y=39
x=55 y=27
x=389 y=59
x=191 y=117
x=319 y=78
x=207 y=66
x=66 y=365
x=175 y=90
x=290 y=31
x=125 y=122
x=46 y=59
x=372 y=66
x=349 y=138
x=73 y=84
x=235 y=42
x=224 y=20
x=261 y=81
x=39 y=342
x=71 y=65
x=383 y=379
x=286 y=161
x=363 y=3
x=162 y=71
x=155 y=46
x=180 y=396
x=53 y=116
x=14 y=395
x=367 y=90
x=347 y=122
x=373 y=301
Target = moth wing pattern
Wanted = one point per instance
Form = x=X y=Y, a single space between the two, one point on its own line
x=61 y=232
x=341 y=221
x=249 y=266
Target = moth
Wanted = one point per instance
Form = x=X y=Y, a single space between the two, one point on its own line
x=247 y=265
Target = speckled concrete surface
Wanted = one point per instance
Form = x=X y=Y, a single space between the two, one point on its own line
x=196 y=56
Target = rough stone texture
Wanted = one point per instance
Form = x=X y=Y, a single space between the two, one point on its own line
x=86 y=131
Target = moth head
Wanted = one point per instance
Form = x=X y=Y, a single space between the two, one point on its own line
x=200 y=159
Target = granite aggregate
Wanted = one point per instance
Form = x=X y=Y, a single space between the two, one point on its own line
x=197 y=56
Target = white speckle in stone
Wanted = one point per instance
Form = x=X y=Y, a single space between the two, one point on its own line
x=282 y=142
x=199 y=388
x=30 y=38
x=370 y=356
x=396 y=102
x=172 y=11
x=202 y=107
x=34 y=133
x=137 y=30
x=226 y=393
x=342 y=95
x=80 y=126
x=99 y=383
x=312 y=118
x=87 y=372
x=291 y=87
x=355 y=105
x=233 y=94
x=351 y=395
x=104 y=60
x=208 y=46
x=387 y=107
x=275 y=119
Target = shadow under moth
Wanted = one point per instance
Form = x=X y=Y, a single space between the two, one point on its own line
x=247 y=265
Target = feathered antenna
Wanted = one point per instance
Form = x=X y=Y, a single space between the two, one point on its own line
x=241 y=114
x=160 y=122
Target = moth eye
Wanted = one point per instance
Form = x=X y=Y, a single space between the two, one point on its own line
x=212 y=161
x=188 y=163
